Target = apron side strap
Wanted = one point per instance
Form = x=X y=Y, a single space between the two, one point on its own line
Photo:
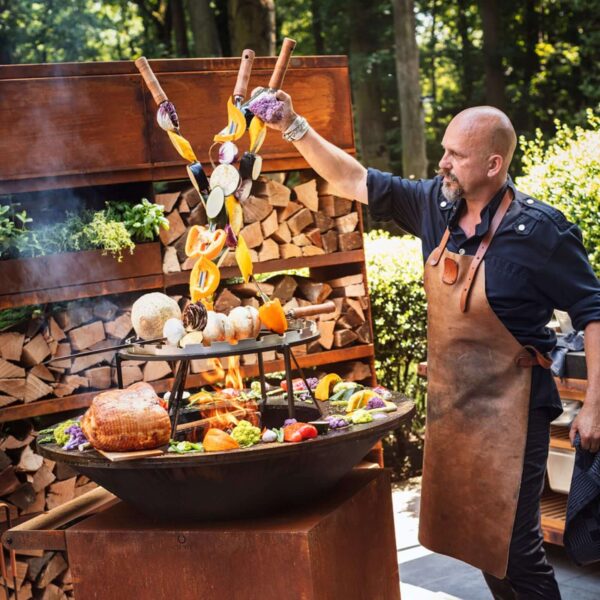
x=532 y=357
x=483 y=246
x=436 y=254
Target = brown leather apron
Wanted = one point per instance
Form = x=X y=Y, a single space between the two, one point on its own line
x=479 y=383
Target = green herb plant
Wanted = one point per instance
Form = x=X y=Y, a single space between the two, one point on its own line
x=13 y=228
x=143 y=220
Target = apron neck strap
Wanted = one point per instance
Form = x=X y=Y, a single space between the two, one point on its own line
x=436 y=255
x=483 y=246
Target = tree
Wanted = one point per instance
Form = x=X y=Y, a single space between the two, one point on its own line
x=492 y=50
x=252 y=25
x=204 y=29
x=366 y=78
x=414 y=158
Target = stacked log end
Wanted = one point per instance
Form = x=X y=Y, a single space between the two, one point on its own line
x=280 y=222
x=29 y=485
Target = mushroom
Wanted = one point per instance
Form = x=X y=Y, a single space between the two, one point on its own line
x=214 y=331
x=245 y=321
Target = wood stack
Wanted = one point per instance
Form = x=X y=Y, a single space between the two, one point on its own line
x=83 y=325
x=30 y=484
x=279 y=223
x=348 y=325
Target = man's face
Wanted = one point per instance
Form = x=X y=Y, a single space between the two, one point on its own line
x=464 y=165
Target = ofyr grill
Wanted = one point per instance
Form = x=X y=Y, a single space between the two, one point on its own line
x=239 y=483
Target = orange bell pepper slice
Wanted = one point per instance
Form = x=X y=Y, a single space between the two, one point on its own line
x=204 y=279
x=272 y=316
x=202 y=242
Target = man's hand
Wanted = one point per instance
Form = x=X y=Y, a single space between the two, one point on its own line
x=587 y=424
x=288 y=111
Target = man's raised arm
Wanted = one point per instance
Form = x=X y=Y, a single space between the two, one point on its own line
x=347 y=176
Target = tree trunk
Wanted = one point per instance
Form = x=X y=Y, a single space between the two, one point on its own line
x=414 y=155
x=252 y=25
x=317 y=26
x=466 y=50
x=531 y=26
x=179 y=29
x=204 y=29
x=495 y=89
x=366 y=91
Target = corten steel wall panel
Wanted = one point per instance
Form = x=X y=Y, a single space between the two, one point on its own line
x=84 y=124
x=339 y=545
x=63 y=126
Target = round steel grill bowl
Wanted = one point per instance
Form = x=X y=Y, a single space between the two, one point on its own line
x=239 y=483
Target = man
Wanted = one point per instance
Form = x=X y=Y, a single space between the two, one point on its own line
x=491 y=396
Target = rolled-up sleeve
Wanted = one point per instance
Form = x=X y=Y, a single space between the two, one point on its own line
x=569 y=280
x=392 y=198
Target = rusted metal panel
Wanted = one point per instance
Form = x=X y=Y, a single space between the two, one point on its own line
x=340 y=546
x=81 y=125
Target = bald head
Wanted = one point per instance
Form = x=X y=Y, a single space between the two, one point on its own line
x=489 y=129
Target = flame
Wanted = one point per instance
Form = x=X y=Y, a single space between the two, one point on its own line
x=216 y=373
x=233 y=379
x=222 y=408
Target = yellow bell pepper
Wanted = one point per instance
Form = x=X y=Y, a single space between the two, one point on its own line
x=182 y=146
x=203 y=242
x=202 y=288
x=242 y=256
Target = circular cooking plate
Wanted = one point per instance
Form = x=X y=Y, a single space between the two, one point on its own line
x=379 y=427
x=266 y=341
x=239 y=483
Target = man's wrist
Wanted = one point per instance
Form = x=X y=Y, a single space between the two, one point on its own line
x=296 y=130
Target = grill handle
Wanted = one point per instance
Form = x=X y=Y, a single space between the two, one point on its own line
x=309 y=311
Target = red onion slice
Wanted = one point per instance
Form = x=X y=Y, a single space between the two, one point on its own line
x=228 y=153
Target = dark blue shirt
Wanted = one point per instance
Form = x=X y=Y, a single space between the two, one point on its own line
x=536 y=262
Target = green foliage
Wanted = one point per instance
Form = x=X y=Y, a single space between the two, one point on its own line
x=13 y=228
x=143 y=220
x=566 y=173
x=395 y=271
x=10 y=317
x=70 y=30
x=111 y=236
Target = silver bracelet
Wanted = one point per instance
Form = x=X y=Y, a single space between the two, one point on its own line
x=297 y=130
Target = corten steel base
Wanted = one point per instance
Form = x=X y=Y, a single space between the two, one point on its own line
x=342 y=546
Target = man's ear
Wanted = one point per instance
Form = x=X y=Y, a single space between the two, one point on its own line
x=495 y=164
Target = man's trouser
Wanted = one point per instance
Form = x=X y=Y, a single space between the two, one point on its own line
x=529 y=575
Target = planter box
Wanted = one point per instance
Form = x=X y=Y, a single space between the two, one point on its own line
x=73 y=269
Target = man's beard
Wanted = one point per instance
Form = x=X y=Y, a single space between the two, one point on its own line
x=452 y=193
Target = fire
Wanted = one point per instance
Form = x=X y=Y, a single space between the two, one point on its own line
x=223 y=408
x=216 y=373
x=233 y=379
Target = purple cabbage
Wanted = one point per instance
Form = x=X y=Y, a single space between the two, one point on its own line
x=375 y=402
x=267 y=108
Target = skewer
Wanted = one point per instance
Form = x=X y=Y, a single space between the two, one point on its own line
x=126 y=344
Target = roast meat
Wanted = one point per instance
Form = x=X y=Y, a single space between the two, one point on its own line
x=126 y=420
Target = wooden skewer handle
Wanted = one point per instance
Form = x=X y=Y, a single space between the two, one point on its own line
x=307 y=311
x=283 y=61
x=150 y=78
x=241 y=85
